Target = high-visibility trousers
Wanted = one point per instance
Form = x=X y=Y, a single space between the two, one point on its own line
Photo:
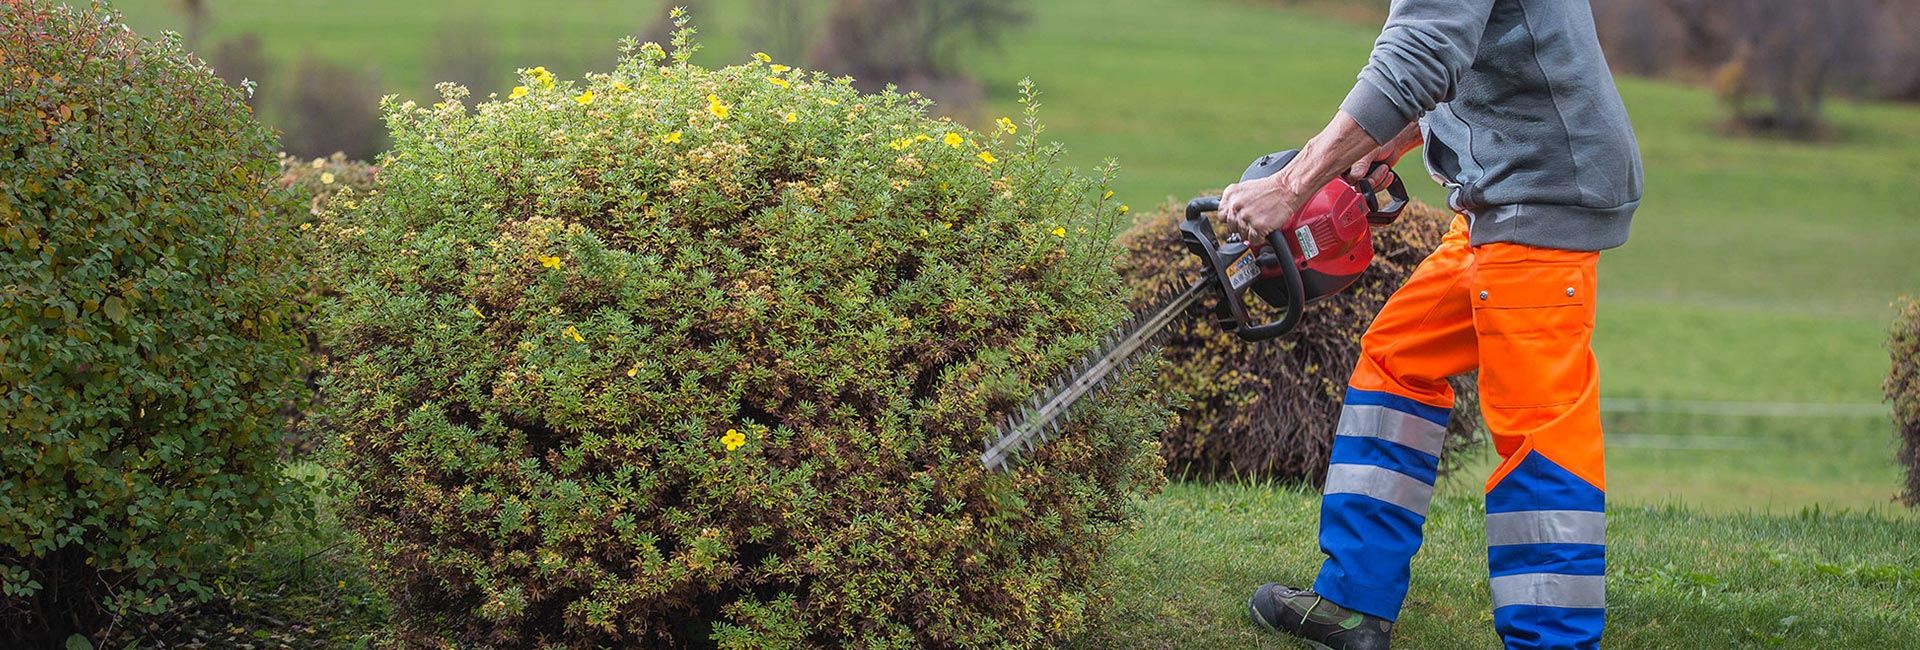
x=1524 y=317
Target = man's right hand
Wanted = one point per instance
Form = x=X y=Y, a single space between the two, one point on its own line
x=1389 y=153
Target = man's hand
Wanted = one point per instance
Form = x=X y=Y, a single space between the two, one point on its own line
x=1257 y=207
x=1389 y=153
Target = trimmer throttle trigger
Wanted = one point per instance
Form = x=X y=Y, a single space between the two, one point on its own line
x=1378 y=215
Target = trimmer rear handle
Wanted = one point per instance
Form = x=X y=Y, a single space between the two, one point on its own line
x=1376 y=215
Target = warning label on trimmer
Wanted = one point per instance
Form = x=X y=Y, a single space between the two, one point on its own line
x=1308 y=249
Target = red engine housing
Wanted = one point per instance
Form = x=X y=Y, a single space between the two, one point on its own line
x=1330 y=236
x=1331 y=240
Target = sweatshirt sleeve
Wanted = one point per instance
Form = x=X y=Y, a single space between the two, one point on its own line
x=1416 y=63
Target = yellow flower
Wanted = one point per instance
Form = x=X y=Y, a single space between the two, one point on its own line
x=1123 y=208
x=620 y=87
x=718 y=109
x=792 y=116
x=326 y=178
x=476 y=311
x=897 y=145
x=922 y=138
x=539 y=74
x=518 y=92
x=635 y=370
x=306 y=226
x=585 y=98
x=954 y=139
x=988 y=158
x=1059 y=232
x=575 y=335
x=1007 y=125
x=674 y=137
x=946 y=226
x=1106 y=196
x=779 y=68
x=762 y=56
x=830 y=101
x=550 y=262
x=778 y=82
x=733 y=439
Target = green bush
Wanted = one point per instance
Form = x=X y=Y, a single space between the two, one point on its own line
x=685 y=357
x=1267 y=410
x=144 y=346
x=1903 y=390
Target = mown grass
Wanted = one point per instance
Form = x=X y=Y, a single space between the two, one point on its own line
x=1677 y=578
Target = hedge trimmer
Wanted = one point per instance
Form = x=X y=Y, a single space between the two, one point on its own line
x=1319 y=251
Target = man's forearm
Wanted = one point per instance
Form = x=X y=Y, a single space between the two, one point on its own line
x=1327 y=155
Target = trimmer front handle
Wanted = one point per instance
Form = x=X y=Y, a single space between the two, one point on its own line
x=1234 y=266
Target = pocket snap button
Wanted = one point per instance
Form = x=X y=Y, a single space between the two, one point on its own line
x=1483 y=295
x=1569 y=292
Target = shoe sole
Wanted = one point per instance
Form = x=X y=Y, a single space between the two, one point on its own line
x=1253 y=614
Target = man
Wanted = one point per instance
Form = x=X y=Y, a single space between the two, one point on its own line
x=1523 y=125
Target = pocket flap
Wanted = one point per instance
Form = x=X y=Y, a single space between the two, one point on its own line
x=1529 y=287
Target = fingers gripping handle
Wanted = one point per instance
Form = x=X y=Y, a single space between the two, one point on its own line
x=1199 y=234
x=1376 y=214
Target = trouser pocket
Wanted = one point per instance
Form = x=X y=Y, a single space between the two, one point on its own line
x=1534 y=323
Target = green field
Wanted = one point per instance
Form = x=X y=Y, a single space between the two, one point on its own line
x=1759 y=271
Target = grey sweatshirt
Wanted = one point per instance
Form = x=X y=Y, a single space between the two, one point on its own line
x=1522 y=121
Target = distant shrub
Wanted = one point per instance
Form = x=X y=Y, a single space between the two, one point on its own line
x=672 y=357
x=304 y=191
x=1268 y=409
x=332 y=109
x=144 y=308
x=1903 y=390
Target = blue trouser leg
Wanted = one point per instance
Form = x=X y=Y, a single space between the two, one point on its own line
x=1386 y=454
x=1547 y=555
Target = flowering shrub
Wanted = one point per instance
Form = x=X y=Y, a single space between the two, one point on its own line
x=1903 y=390
x=1269 y=409
x=144 y=299
x=673 y=356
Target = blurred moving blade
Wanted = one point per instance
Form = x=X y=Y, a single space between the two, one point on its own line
x=1044 y=413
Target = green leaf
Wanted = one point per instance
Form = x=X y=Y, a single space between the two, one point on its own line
x=115 y=309
x=78 y=642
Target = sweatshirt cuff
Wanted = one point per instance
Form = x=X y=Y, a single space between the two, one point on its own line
x=1375 y=112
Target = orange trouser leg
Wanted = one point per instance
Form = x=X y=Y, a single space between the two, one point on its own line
x=1533 y=313
x=1386 y=451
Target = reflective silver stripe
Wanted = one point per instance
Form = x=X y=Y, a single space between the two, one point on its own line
x=1380 y=483
x=1547 y=527
x=1550 y=590
x=1368 y=421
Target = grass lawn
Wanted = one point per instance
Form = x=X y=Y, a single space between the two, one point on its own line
x=1758 y=271
x=1677 y=578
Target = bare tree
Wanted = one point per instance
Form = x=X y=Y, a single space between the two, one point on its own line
x=912 y=43
x=240 y=59
x=1772 y=62
x=196 y=11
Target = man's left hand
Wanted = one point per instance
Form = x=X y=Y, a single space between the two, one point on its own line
x=1257 y=207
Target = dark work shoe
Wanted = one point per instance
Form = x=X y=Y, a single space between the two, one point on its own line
x=1302 y=613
